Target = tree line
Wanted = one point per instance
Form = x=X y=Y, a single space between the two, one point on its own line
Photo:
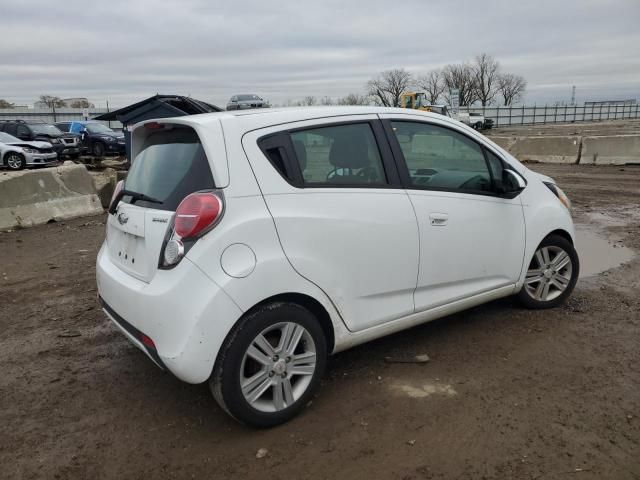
x=481 y=81
x=52 y=102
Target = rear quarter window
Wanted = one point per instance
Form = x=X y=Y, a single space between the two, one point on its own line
x=170 y=165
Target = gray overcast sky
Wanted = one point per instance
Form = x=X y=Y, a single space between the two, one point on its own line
x=123 y=51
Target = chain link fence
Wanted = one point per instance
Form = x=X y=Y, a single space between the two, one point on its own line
x=541 y=115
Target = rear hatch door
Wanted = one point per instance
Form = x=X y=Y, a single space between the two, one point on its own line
x=169 y=164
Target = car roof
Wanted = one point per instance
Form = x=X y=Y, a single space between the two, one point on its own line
x=266 y=117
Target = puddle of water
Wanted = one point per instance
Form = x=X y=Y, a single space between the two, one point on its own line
x=426 y=390
x=597 y=253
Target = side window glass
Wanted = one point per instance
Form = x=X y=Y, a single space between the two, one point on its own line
x=340 y=154
x=441 y=158
x=22 y=131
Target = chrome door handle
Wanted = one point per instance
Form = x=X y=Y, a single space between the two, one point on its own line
x=438 y=219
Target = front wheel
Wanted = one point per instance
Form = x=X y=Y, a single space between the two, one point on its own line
x=15 y=161
x=98 y=149
x=270 y=365
x=552 y=274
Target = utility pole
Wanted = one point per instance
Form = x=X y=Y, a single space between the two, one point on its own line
x=573 y=95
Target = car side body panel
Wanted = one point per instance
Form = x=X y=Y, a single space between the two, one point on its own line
x=359 y=245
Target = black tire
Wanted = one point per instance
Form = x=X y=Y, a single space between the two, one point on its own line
x=98 y=149
x=15 y=161
x=557 y=242
x=477 y=126
x=225 y=380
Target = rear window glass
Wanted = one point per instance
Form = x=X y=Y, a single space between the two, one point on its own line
x=171 y=165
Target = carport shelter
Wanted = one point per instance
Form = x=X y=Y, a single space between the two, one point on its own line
x=158 y=106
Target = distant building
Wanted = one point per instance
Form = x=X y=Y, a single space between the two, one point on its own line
x=68 y=102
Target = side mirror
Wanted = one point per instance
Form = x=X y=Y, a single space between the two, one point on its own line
x=512 y=183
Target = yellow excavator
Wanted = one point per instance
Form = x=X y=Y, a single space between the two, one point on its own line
x=418 y=101
x=415 y=101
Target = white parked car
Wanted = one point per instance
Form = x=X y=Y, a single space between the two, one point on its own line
x=245 y=247
x=17 y=154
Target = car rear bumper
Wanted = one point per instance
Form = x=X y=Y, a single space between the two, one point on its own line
x=184 y=313
x=134 y=335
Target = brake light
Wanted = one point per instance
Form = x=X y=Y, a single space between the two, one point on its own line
x=153 y=125
x=196 y=214
x=116 y=191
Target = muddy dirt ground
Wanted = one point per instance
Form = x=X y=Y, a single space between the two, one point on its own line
x=508 y=393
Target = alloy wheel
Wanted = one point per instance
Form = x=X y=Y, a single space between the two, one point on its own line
x=14 y=161
x=549 y=273
x=278 y=367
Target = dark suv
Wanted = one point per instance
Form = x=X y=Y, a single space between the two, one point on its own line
x=34 y=130
x=96 y=138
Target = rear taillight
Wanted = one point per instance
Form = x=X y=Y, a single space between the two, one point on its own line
x=196 y=214
x=116 y=191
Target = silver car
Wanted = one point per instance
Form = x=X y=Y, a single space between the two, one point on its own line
x=17 y=154
x=245 y=101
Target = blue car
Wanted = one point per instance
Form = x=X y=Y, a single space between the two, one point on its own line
x=97 y=139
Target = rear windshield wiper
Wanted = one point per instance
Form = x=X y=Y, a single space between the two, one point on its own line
x=113 y=208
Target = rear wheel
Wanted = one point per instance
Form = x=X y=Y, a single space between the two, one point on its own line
x=552 y=274
x=270 y=365
x=98 y=149
x=15 y=161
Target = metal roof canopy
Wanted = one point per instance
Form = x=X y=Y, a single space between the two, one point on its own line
x=158 y=106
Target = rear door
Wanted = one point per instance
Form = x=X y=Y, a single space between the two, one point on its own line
x=169 y=164
x=343 y=219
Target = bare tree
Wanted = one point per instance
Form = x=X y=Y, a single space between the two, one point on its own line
x=51 y=101
x=354 y=99
x=460 y=76
x=432 y=84
x=6 y=104
x=82 y=103
x=511 y=87
x=308 y=101
x=486 y=73
x=326 y=100
x=387 y=87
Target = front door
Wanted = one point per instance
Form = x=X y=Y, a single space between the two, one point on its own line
x=471 y=240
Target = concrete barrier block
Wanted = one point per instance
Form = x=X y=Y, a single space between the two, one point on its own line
x=611 y=150
x=33 y=197
x=105 y=183
x=545 y=149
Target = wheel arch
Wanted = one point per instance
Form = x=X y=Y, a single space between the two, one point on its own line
x=9 y=152
x=561 y=233
x=311 y=304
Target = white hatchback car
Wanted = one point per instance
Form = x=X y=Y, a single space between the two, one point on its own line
x=245 y=247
